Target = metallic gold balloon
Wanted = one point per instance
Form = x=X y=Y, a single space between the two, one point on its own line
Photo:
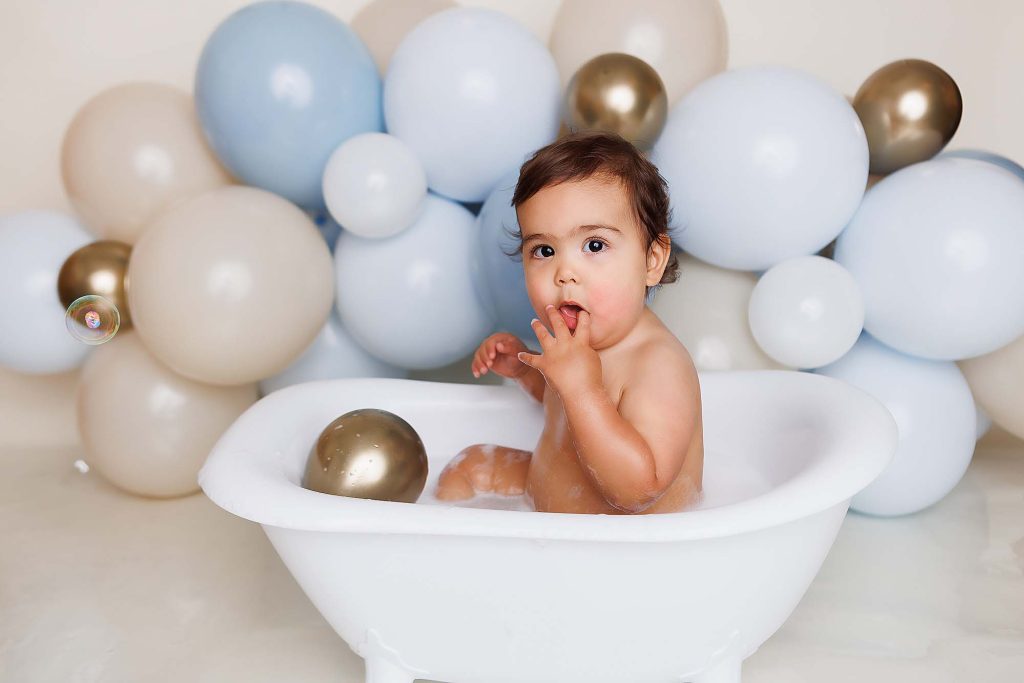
x=910 y=110
x=618 y=93
x=368 y=453
x=98 y=268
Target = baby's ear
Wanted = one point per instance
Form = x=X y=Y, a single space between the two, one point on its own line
x=657 y=259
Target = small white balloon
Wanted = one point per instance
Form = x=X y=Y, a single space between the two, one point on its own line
x=374 y=185
x=33 y=247
x=763 y=164
x=936 y=417
x=410 y=299
x=332 y=355
x=706 y=309
x=937 y=249
x=806 y=312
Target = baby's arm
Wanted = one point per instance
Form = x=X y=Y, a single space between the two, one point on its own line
x=633 y=453
x=533 y=383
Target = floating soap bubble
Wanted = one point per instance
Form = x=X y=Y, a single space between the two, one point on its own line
x=92 y=319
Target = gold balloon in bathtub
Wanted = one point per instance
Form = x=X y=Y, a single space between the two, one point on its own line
x=368 y=453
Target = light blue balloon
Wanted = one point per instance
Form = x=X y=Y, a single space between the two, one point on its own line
x=980 y=154
x=499 y=277
x=332 y=355
x=934 y=411
x=473 y=93
x=278 y=87
x=410 y=299
x=936 y=249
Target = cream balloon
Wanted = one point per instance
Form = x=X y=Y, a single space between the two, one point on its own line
x=997 y=383
x=146 y=429
x=132 y=151
x=707 y=310
x=231 y=286
x=383 y=23
x=684 y=40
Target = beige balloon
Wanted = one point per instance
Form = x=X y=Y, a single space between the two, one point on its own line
x=684 y=40
x=145 y=428
x=231 y=286
x=997 y=382
x=383 y=24
x=706 y=308
x=132 y=151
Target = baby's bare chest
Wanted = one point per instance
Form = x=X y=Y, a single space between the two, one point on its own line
x=556 y=481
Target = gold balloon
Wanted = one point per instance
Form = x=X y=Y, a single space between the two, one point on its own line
x=910 y=110
x=98 y=268
x=368 y=453
x=618 y=93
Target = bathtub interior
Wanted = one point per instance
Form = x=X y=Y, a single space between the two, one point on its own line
x=512 y=419
x=778 y=445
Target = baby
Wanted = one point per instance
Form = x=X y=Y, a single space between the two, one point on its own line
x=622 y=411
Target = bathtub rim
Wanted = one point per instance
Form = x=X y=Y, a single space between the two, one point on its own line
x=241 y=479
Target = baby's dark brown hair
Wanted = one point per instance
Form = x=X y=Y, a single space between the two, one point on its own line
x=580 y=155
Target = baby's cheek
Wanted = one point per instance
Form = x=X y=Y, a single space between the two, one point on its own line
x=612 y=302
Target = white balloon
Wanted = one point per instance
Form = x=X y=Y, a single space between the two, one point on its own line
x=409 y=299
x=706 y=309
x=937 y=249
x=332 y=355
x=374 y=185
x=473 y=93
x=763 y=164
x=936 y=417
x=806 y=311
x=33 y=247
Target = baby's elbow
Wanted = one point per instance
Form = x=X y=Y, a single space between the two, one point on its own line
x=638 y=502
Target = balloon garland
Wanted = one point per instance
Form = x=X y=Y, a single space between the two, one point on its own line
x=822 y=233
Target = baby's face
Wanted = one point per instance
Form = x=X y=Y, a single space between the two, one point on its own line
x=581 y=242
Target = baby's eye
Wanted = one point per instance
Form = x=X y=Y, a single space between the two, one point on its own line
x=596 y=245
x=549 y=252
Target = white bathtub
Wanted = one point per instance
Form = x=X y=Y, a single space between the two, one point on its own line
x=492 y=596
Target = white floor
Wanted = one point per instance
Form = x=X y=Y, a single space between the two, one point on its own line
x=96 y=585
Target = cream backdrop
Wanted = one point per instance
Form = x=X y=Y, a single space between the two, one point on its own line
x=56 y=54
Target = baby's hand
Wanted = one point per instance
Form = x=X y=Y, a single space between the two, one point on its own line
x=500 y=352
x=567 y=361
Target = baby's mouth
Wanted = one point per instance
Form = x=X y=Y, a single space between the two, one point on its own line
x=570 y=314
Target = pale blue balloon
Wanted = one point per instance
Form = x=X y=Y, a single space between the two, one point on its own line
x=500 y=277
x=410 y=299
x=332 y=355
x=981 y=155
x=936 y=249
x=763 y=163
x=278 y=87
x=934 y=411
x=473 y=93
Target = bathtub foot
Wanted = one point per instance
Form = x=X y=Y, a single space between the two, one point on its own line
x=381 y=670
x=726 y=671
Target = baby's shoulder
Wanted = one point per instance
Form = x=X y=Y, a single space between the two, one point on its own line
x=662 y=359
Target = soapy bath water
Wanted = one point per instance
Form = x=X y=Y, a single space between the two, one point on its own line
x=726 y=481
